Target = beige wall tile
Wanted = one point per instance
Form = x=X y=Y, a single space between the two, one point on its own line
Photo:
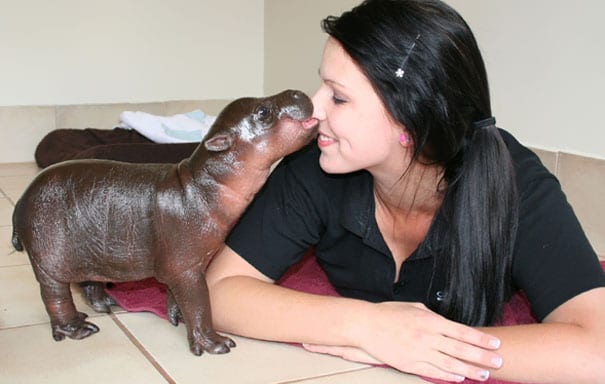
x=583 y=180
x=21 y=128
x=104 y=116
x=27 y=169
x=210 y=107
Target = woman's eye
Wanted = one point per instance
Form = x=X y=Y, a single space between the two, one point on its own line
x=338 y=100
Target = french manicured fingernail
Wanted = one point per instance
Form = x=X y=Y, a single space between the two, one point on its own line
x=459 y=379
x=484 y=375
x=495 y=343
x=497 y=362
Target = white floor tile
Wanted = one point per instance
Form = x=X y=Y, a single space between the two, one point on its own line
x=252 y=361
x=30 y=355
x=365 y=376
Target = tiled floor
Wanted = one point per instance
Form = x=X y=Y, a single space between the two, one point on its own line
x=134 y=347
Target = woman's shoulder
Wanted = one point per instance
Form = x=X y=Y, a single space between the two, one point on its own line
x=529 y=169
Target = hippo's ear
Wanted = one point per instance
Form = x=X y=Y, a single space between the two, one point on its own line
x=219 y=143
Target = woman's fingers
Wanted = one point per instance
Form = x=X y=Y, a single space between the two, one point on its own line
x=453 y=365
x=412 y=338
x=419 y=368
x=464 y=351
x=469 y=345
x=471 y=335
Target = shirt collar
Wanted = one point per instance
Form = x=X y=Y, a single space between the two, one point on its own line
x=358 y=215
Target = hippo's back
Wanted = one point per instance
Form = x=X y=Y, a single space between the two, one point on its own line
x=85 y=210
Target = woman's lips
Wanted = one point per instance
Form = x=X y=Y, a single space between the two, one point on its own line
x=324 y=140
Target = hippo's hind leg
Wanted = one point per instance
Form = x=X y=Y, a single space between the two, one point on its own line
x=96 y=296
x=65 y=320
x=190 y=293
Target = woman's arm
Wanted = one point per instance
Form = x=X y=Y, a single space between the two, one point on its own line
x=567 y=347
x=404 y=335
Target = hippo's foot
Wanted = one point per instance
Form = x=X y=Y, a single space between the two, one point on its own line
x=96 y=296
x=174 y=314
x=76 y=329
x=210 y=342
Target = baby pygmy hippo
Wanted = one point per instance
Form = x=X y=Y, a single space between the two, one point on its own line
x=92 y=221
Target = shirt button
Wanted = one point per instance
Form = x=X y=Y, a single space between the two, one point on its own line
x=398 y=287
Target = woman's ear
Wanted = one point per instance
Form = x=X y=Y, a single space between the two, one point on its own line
x=405 y=139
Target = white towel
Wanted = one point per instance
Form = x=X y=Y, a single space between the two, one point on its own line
x=182 y=128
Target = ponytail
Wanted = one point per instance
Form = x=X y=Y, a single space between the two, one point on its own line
x=476 y=229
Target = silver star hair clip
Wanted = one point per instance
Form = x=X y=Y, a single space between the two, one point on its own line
x=400 y=71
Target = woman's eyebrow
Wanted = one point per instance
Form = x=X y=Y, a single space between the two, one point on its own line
x=330 y=81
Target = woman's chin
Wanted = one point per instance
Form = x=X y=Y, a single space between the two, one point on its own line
x=331 y=165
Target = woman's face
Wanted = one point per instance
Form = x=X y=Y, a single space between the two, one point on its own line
x=355 y=130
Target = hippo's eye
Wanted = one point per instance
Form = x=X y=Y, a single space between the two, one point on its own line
x=263 y=113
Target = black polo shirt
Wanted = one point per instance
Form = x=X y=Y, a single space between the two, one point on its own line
x=302 y=206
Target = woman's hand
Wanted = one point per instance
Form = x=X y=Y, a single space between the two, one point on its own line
x=413 y=339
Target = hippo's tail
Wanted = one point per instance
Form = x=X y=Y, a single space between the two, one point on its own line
x=17 y=244
x=17 y=241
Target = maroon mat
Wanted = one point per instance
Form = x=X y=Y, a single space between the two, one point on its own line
x=150 y=296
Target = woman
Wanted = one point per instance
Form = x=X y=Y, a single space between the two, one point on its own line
x=424 y=215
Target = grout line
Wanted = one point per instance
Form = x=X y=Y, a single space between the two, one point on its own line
x=27 y=325
x=4 y=195
x=307 y=379
x=142 y=349
x=13 y=203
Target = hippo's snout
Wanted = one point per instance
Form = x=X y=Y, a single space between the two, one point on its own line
x=295 y=105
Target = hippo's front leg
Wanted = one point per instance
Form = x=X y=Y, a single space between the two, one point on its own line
x=190 y=293
x=173 y=312
x=96 y=296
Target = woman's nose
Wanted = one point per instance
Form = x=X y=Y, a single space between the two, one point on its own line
x=318 y=108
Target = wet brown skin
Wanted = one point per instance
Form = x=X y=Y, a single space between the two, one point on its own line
x=93 y=221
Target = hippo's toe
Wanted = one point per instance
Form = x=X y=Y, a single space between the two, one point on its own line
x=77 y=330
x=212 y=343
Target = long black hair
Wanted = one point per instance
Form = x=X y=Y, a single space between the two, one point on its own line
x=424 y=63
